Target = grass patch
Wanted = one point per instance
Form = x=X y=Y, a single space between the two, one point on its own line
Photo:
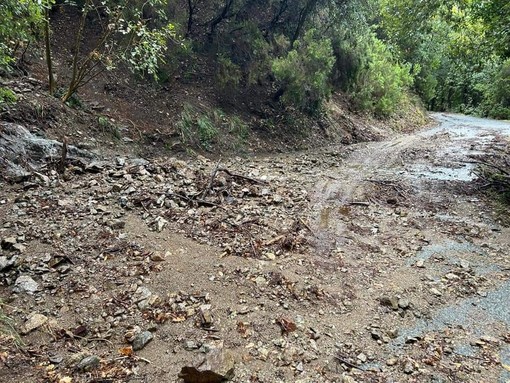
x=211 y=128
x=8 y=333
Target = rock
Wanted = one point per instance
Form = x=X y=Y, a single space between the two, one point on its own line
x=219 y=359
x=376 y=334
x=33 y=322
x=55 y=358
x=25 y=284
x=348 y=379
x=19 y=247
x=489 y=339
x=206 y=316
x=138 y=162
x=5 y=262
x=142 y=293
x=362 y=357
x=389 y=302
x=157 y=257
x=420 y=263
x=88 y=363
x=22 y=152
x=436 y=292
x=464 y=264
x=408 y=368
x=392 y=333
x=260 y=281
x=403 y=303
x=141 y=340
x=160 y=223
x=95 y=167
x=391 y=361
x=8 y=243
x=120 y=161
x=191 y=345
x=117 y=224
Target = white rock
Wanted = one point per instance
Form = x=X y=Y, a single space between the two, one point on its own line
x=25 y=284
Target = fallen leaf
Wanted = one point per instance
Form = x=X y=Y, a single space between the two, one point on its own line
x=244 y=329
x=286 y=325
x=80 y=331
x=126 y=351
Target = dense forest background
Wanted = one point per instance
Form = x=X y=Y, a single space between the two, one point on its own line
x=384 y=55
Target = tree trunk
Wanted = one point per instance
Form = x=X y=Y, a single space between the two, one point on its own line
x=49 y=63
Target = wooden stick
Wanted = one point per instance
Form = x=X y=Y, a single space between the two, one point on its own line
x=211 y=180
x=346 y=362
x=254 y=180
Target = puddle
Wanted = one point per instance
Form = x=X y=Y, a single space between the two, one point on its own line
x=440 y=173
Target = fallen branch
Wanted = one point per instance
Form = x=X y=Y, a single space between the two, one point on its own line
x=211 y=180
x=235 y=175
x=347 y=363
x=359 y=203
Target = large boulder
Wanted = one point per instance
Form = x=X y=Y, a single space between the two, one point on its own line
x=22 y=152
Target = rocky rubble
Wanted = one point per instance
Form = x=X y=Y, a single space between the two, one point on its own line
x=308 y=271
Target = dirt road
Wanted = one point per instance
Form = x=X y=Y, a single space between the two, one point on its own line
x=379 y=262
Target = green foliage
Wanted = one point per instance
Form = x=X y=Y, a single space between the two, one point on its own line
x=196 y=128
x=305 y=71
x=20 y=20
x=205 y=128
x=7 y=96
x=126 y=36
x=8 y=332
x=456 y=48
x=228 y=74
x=496 y=17
x=147 y=46
x=382 y=84
x=109 y=127
x=497 y=94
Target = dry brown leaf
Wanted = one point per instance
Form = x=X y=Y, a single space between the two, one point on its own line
x=286 y=325
x=126 y=351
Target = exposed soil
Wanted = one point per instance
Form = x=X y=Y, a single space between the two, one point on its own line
x=376 y=262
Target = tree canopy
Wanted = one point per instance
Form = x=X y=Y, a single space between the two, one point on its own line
x=454 y=54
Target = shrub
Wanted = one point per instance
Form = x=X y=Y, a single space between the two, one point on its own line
x=381 y=85
x=196 y=128
x=304 y=73
x=228 y=74
x=7 y=96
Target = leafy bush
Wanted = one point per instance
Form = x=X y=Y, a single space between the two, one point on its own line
x=228 y=74
x=304 y=72
x=7 y=96
x=20 y=19
x=382 y=83
x=197 y=128
x=502 y=92
x=203 y=128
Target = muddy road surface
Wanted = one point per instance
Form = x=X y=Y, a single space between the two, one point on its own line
x=378 y=262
